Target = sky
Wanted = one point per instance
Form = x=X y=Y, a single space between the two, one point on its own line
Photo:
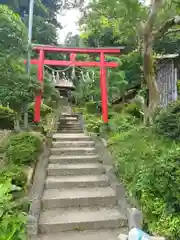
x=69 y=22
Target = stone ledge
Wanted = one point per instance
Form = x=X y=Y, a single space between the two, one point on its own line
x=36 y=192
x=37 y=177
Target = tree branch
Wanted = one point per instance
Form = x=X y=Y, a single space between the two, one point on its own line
x=167 y=25
x=172 y=31
x=148 y=26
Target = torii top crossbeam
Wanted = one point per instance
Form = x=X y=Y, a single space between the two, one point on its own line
x=102 y=64
x=49 y=48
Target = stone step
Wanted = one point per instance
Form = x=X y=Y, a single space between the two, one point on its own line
x=61 y=144
x=76 y=181
x=74 y=159
x=71 y=130
x=100 y=234
x=72 y=125
x=69 y=115
x=60 y=198
x=68 y=118
x=75 y=169
x=68 y=219
x=71 y=137
x=68 y=121
x=70 y=151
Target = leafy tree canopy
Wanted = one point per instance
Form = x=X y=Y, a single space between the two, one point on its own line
x=13 y=33
x=112 y=23
x=16 y=87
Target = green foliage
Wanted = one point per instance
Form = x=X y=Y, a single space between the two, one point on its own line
x=44 y=31
x=114 y=23
x=45 y=22
x=6 y=118
x=168 y=121
x=88 y=90
x=45 y=110
x=109 y=20
x=50 y=93
x=29 y=146
x=178 y=86
x=15 y=86
x=119 y=80
x=12 y=219
x=131 y=66
x=13 y=33
x=15 y=174
x=121 y=122
x=93 y=123
x=133 y=109
x=147 y=164
x=91 y=107
x=47 y=123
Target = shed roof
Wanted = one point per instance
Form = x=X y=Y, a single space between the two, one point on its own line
x=168 y=56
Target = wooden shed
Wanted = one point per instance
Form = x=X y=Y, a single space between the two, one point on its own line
x=167 y=75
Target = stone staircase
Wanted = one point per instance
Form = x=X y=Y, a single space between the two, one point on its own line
x=78 y=202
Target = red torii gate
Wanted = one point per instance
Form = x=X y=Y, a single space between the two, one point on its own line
x=42 y=49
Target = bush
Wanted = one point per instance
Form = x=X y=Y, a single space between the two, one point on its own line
x=118 y=107
x=121 y=122
x=15 y=174
x=13 y=219
x=93 y=123
x=92 y=107
x=167 y=121
x=6 y=118
x=149 y=167
x=45 y=110
x=23 y=148
x=133 y=109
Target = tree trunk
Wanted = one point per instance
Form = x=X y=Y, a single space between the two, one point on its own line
x=150 y=79
x=17 y=123
x=25 y=117
x=148 y=38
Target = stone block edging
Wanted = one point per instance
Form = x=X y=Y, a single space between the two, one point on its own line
x=38 y=177
x=123 y=203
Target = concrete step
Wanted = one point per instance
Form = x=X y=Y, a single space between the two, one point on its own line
x=68 y=219
x=74 y=159
x=75 y=197
x=67 y=125
x=71 y=130
x=68 y=118
x=100 y=234
x=68 y=121
x=66 y=115
x=61 y=144
x=71 y=137
x=70 y=151
x=76 y=181
x=75 y=169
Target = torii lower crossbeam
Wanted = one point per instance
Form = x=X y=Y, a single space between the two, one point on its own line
x=42 y=49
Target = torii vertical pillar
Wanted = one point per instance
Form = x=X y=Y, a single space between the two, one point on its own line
x=104 y=98
x=37 y=105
